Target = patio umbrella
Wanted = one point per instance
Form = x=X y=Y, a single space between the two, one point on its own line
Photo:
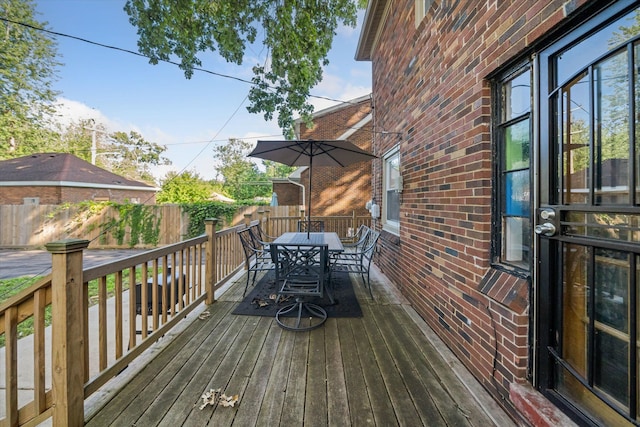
x=311 y=153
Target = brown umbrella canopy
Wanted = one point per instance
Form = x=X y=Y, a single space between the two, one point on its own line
x=311 y=153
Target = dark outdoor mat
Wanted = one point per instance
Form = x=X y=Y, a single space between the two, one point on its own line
x=259 y=301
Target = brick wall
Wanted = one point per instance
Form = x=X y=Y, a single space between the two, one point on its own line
x=49 y=195
x=288 y=194
x=432 y=97
x=340 y=191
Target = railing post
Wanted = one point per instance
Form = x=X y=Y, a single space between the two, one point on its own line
x=247 y=219
x=267 y=227
x=354 y=218
x=67 y=331
x=211 y=268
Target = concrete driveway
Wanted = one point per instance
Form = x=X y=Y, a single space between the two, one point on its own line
x=17 y=263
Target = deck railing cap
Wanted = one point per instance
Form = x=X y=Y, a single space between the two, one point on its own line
x=67 y=245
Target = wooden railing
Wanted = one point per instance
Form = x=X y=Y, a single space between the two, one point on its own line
x=92 y=341
x=345 y=226
x=115 y=326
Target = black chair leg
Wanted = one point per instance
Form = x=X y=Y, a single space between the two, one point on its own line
x=246 y=286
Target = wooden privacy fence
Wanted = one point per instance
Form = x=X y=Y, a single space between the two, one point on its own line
x=33 y=226
x=28 y=226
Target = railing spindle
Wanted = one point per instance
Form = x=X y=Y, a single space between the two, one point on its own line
x=165 y=281
x=132 y=307
x=144 y=300
x=11 y=365
x=102 y=321
x=39 y=366
x=119 y=315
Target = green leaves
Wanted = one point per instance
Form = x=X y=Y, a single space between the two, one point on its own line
x=27 y=71
x=242 y=179
x=198 y=212
x=298 y=34
x=131 y=155
x=187 y=187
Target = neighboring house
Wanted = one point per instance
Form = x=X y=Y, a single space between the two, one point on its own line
x=509 y=191
x=55 y=178
x=289 y=190
x=336 y=191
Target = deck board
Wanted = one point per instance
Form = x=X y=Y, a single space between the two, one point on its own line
x=399 y=398
x=315 y=408
x=214 y=373
x=239 y=381
x=337 y=402
x=180 y=372
x=403 y=358
x=358 y=399
x=378 y=370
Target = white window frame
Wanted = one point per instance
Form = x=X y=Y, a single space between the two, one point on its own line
x=391 y=182
x=421 y=9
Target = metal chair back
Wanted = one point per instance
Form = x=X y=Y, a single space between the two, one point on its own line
x=300 y=272
x=256 y=257
x=311 y=226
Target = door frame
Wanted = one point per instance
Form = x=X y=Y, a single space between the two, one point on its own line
x=547 y=281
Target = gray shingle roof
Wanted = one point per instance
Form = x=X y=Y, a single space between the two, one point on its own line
x=61 y=168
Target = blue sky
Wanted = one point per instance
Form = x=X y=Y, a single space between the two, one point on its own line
x=124 y=92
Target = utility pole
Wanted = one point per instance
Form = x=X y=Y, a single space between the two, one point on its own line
x=94 y=146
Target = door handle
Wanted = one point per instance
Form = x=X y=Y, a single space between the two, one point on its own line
x=547 y=214
x=546 y=229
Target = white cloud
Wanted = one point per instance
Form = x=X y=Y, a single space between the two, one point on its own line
x=337 y=88
x=69 y=111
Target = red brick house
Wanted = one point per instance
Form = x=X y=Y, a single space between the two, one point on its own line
x=503 y=221
x=335 y=191
x=55 y=178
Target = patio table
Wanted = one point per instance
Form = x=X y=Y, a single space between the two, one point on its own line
x=329 y=238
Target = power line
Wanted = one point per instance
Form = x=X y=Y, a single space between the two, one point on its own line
x=131 y=52
x=208 y=141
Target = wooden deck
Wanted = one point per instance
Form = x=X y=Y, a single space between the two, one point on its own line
x=384 y=369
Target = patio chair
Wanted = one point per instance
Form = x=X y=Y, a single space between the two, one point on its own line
x=312 y=226
x=301 y=273
x=261 y=240
x=358 y=239
x=358 y=261
x=256 y=258
x=259 y=234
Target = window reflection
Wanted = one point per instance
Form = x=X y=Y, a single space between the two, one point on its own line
x=611 y=142
x=611 y=275
x=575 y=147
x=514 y=170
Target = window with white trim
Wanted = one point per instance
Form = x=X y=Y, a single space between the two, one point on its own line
x=391 y=191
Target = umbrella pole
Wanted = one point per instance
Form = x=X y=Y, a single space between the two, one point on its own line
x=309 y=201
